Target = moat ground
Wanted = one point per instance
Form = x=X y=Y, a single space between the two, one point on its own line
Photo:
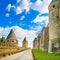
x=39 y=55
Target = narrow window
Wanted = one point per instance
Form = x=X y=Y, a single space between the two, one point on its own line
x=53 y=6
x=57 y=17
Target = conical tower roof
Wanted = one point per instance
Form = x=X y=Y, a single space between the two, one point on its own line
x=11 y=35
x=25 y=39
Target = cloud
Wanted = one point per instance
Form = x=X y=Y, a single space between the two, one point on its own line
x=40 y=19
x=7 y=14
x=18 y=10
x=20 y=34
x=24 y=5
x=38 y=2
x=9 y=7
x=41 y=6
x=22 y=18
x=4 y=31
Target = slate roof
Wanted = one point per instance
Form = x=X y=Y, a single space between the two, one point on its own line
x=11 y=35
x=25 y=39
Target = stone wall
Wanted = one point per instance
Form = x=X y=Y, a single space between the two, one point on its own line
x=49 y=38
x=46 y=39
x=54 y=26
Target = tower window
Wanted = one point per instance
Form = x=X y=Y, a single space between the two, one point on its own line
x=53 y=6
x=57 y=16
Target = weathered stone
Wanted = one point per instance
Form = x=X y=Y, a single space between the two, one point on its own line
x=46 y=39
x=54 y=26
x=41 y=40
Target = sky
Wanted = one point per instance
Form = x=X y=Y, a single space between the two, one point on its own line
x=26 y=17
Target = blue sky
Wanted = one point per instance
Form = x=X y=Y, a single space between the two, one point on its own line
x=26 y=17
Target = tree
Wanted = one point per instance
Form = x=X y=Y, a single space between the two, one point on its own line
x=0 y=39
x=3 y=40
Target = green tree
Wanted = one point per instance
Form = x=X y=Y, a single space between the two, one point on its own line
x=3 y=40
x=0 y=39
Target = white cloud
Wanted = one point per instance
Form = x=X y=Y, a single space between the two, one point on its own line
x=41 y=6
x=4 y=31
x=25 y=5
x=22 y=17
x=9 y=7
x=39 y=19
x=20 y=34
x=7 y=14
x=38 y=2
x=18 y=10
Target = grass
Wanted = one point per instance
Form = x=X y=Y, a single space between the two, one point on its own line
x=39 y=55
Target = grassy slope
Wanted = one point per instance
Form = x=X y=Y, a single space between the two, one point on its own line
x=7 y=49
x=39 y=55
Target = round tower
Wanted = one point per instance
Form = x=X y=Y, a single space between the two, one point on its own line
x=54 y=26
x=11 y=39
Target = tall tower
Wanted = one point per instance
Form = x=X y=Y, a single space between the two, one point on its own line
x=25 y=43
x=54 y=26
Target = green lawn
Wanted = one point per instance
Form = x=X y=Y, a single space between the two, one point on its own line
x=39 y=55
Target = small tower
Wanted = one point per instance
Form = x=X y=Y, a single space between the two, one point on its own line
x=54 y=26
x=11 y=39
x=25 y=43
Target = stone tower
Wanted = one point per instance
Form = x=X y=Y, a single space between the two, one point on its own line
x=11 y=39
x=54 y=26
x=25 y=43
